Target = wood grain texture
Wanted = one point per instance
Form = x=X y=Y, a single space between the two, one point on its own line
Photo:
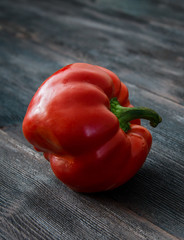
x=142 y=42
x=156 y=192
x=37 y=200
x=145 y=52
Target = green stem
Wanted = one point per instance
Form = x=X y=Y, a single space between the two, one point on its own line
x=126 y=114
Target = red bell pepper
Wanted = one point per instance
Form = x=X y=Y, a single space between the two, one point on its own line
x=83 y=122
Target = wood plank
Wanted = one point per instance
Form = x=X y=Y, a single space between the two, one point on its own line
x=71 y=215
x=156 y=192
x=143 y=44
x=143 y=52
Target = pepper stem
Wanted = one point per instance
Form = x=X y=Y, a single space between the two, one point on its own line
x=126 y=114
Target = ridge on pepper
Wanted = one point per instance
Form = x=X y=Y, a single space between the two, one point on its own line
x=83 y=122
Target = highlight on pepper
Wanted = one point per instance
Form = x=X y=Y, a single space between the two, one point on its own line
x=83 y=122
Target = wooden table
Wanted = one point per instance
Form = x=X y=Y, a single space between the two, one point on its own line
x=142 y=42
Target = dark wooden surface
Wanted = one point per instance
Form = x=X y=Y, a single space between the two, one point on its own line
x=143 y=43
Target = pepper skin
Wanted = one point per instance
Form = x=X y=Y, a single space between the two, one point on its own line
x=83 y=122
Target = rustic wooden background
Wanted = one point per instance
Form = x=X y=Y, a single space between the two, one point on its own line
x=143 y=43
